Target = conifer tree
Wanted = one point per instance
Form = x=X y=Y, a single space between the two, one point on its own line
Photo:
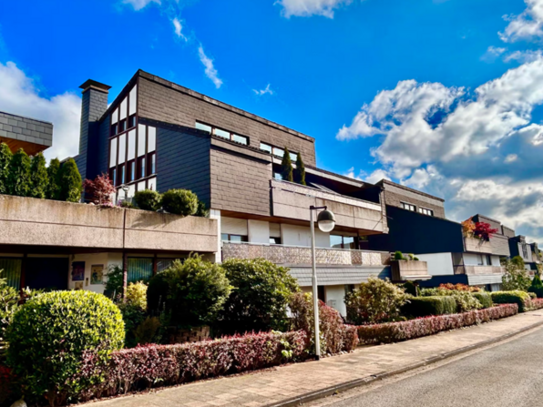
x=299 y=172
x=5 y=160
x=18 y=181
x=38 y=177
x=53 y=173
x=71 y=185
x=286 y=167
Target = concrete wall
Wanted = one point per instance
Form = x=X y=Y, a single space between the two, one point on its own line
x=439 y=264
x=396 y=194
x=473 y=244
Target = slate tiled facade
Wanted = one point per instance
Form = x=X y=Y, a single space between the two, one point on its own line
x=23 y=132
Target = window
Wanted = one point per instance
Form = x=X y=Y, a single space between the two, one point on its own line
x=525 y=251
x=122 y=126
x=113 y=176
x=427 y=212
x=278 y=152
x=226 y=237
x=488 y=260
x=343 y=242
x=113 y=153
x=275 y=240
x=239 y=139
x=131 y=171
x=222 y=133
x=152 y=165
x=141 y=166
x=203 y=127
x=151 y=139
x=408 y=206
x=131 y=145
x=133 y=100
x=142 y=130
x=122 y=111
x=122 y=148
x=121 y=175
x=266 y=147
x=293 y=156
x=480 y=260
x=131 y=121
x=114 y=129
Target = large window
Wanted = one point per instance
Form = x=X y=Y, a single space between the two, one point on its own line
x=427 y=212
x=227 y=237
x=343 y=242
x=408 y=206
x=222 y=133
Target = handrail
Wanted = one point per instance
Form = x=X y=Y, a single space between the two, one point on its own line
x=305 y=247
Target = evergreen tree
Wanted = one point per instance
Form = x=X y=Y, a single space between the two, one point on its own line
x=38 y=176
x=5 y=160
x=286 y=167
x=71 y=185
x=299 y=172
x=18 y=181
x=53 y=173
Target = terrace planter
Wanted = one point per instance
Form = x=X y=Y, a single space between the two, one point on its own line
x=409 y=270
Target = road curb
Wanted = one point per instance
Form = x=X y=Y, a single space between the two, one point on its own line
x=315 y=395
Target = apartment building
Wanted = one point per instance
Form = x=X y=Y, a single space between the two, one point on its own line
x=159 y=135
x=47 y=244
x=529 y=252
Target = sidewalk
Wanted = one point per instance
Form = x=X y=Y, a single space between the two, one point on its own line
x=288 y=385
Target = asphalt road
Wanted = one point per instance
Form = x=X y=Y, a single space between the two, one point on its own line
x=507 y=375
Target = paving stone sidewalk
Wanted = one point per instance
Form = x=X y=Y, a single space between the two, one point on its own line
x=285 y=383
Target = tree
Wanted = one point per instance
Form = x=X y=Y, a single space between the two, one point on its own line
x=53 y=172
x=299 y=172
x=5 y=160
x=100 y=190
x=286 y=167
x=537 y=286
x=518 y=261
x=18 y=181
x=515 y=277
x=70 y=182
x=38 y=177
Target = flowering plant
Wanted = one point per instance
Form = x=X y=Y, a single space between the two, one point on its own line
x=484 y=231
x=100 y=190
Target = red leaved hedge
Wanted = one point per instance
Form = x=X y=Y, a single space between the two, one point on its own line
x=165 y=365
x=416 y=328
x=534 y=303
x=6 y=385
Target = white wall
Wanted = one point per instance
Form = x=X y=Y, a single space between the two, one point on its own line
x=104 y=259
x=335 y=297
x=293 y=235
x=259 y=231
x=439 y=264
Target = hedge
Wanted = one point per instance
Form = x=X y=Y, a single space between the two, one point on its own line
x=150 y=366
x=425 y=306
x=484 y=298
x=534 y=304
x=416 y=328
x=518 y=297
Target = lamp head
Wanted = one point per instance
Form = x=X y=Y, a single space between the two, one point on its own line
x=326 y=221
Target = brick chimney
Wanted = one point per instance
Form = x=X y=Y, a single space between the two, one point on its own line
x=93 y=106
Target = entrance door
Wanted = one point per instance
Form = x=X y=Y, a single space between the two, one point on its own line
x=47 y=273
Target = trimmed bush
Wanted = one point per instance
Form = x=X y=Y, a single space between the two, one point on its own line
x=49 y=334
x=53 y=174
x=335 y=336
x=416 y=328
x=71 y=184
x=534 y=304
x=299 y=172
x=157 y=293
x=287 y=173
x=147 y=200
x=518 y=297
x=484 y=298
x=424 y=306
x=18 y=181
x=134 y=311
x=375 y=301
x=5 y=160
x=39 y=180
x=464 y=300
x=180 y=202
x=260 y=297
x=537 y=286
x=167 y=365
x=398 y=255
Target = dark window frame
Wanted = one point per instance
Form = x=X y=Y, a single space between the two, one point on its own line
x=231 y=134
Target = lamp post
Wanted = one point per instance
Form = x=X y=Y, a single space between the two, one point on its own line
x=125 y=188
x=326 y=222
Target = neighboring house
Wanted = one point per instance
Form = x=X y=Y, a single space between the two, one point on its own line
x=529 y=252
x=47 y=244
x=159 y=135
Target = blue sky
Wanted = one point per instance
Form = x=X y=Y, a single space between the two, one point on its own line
x=441 y=95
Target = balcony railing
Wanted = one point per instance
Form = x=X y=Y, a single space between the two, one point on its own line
x=473 y=244
x=478 y=270
x=299 y=255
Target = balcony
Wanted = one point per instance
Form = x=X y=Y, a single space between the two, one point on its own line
x=292 y=201
x=482 y=270
x=475 y=245
x=298 y=255
x=403 y=270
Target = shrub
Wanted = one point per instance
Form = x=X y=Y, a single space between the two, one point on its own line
x=202 y=211
x=5 y=160
x=39 y=180
x=464 y=300
x=335 y=336
x=515 y=277
x=166 y=365
x=180 y=202
x=424 y=306
x=49 y=334
x=197 y=291
x=260 y=298
x=9 y=304
x=484 y=298
x=53 y=173
x=99 y=190
x=286 y=167
x=411 y=288
x=534 y=304
x=8 y=388
x=375 y=301
x=147 y=200
x=459 y=287
x=18 y=181
x=299 y=172
x=136 y=295
x=533 y=296
x=398 y=255
x=416 y=328
x=70 y=182
x=537 y=286
x=157 y=293
x=147 y=331
x=518 y=297
x=484 y=231
x=114 y=282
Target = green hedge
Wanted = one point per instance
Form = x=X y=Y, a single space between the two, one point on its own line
x=484 y=298
x=424 y=306
x=518 y=297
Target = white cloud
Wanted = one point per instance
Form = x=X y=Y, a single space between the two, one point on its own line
x=377 y=176
x=492 y=53
x=522 y=56
x=262 y=92
x=140 y=4
x=19 y=95
x=527 y=25
x=178 y=27
x=306 y=8
x=510 y=158
x=210 y=70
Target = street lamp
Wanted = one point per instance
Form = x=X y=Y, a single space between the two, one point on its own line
x=326 y=222
x=125 y=188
